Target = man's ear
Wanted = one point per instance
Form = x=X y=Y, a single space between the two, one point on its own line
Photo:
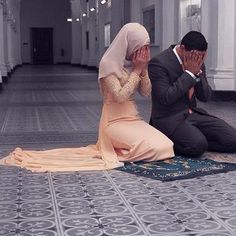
x=181 y=50
x=182 y=47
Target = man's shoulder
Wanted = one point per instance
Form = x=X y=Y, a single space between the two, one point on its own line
x=163 y=55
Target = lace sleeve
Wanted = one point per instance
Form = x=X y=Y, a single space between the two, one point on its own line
x=120 y=93
x=145 y=86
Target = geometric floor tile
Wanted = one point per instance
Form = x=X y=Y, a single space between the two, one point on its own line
x=45 y=108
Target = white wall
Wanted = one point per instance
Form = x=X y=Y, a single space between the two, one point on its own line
x=92 y=34
x=218 y=24
x=94 y=23
x=136 y=15
x=84 y=29
x=104 y=17
x=235 y=48
x=47 y=13
x=169 y=27
x=171 y=23
x=2 y=62
x=76 y=33
x=13 y=31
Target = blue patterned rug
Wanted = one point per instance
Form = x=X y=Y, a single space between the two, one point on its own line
x=177 y=168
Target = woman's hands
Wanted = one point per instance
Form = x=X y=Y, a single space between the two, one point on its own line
x=140 y=60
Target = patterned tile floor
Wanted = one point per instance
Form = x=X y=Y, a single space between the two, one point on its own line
x=46 y=107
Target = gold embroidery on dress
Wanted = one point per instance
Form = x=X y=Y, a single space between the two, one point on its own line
x=122 y=89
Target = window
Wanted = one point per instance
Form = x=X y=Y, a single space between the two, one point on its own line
x=107 y=34
x=194 y=16
x=149 y=23
x=190 y=16
x=108 y=3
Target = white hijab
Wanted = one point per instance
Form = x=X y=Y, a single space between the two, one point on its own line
x=130 y=38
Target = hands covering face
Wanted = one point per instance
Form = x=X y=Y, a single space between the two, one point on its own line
x=193 y=60
x=140 y=59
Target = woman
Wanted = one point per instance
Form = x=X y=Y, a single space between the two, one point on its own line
x=123 y=135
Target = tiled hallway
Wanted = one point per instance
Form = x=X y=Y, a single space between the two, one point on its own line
x=59 y=106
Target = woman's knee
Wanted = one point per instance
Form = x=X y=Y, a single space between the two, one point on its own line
x=162 y=147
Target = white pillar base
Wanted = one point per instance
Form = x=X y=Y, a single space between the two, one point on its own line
x=0 y=79
x=92 y=62
x=3 y=70
x=223 y=79
x=75 y=61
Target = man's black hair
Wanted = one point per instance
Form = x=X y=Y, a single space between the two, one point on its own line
x=194 y=40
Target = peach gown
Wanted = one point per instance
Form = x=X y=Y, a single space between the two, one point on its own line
x=123 y=135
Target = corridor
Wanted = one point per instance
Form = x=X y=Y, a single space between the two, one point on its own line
x=49 y=106
x=45 y=107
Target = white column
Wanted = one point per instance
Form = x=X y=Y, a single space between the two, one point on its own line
x=135 y=8
x=2 y=67
x=117 y=17
x=84 y=30
x=19 y=58
x=76 y=32
x=16 y=29
x=97 y=30
x=218 y=23
x=234 y=47
x=169 y=23
x=10 y=40
x=92 y=17
x=189 y=16
x=14 y=42
x=126 y=5
x=5 y=35
x=103 y=18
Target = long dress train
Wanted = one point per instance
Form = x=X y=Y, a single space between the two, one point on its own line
x=123 y=136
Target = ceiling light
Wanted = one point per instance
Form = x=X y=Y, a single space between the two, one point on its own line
x=69 y=19
x=84 y=14
x=92 y=9
x=103 y=1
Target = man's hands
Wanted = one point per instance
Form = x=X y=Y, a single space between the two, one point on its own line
x=193 y=60
x=140 y=60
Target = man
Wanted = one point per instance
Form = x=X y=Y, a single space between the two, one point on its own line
x=178 y=77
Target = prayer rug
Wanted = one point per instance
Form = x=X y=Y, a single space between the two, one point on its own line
x=177 y=168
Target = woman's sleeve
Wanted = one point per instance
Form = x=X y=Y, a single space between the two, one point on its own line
x=145 y=85
x=120 y=93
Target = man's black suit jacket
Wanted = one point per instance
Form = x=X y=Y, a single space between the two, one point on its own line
x=170 y=86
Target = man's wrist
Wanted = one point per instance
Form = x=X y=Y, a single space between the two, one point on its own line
x=198 y=74
x=193 y=75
